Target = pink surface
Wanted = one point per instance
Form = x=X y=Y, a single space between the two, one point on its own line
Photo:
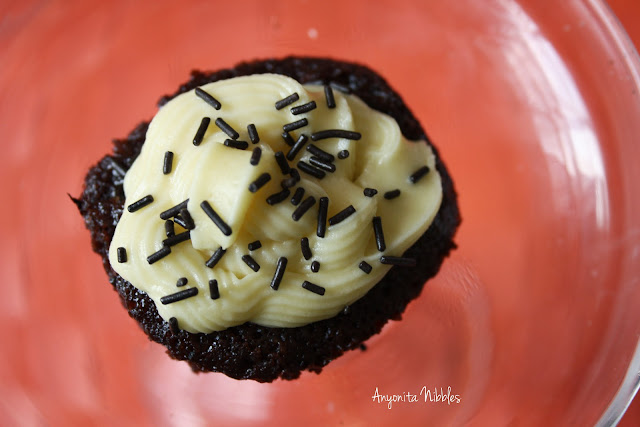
x=532 y=321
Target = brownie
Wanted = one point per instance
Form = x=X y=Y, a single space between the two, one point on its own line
x=251 y=351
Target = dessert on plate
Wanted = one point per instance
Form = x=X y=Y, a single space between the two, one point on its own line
x=271 y=216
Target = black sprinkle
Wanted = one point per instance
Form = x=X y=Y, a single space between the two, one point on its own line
x=377 y=230
x=259 y=182
x=169 y=229
x=342 y=215
x=211 y=262
x=293 y=151
x=419 y=174
x=320 y=153
x=166 y=250
x=288 y=183
x=167 y=165
x=311 y=170
x=288 y=139
x=186 y=219
x=146 y=200
x=297 y=196
x=182 y=282
x=287 y=101
x=295 y=125
x=282 y=162
x=276 y=198
x=335 y=133
x=178 y=220
x=303 y=208
x=340 y=87
x=315 y=266
x=392 y=194
x=253 y=133
x=277 y=276
x=328 y=94
x=214 y=292
x=295 y=174
x=173 y=325
x=255 y=156
x=122 y=255
x=226 y=128
x=208 y=98
x=370 y=192
x=343 y=154
x=255 y=245
x=319 y=163
x=179 y=296
x=396 y=260
x=304 y=108
x=240 y=145
x=115 y=167
x=313 y=288
x=248 y=259
x=173 y=211
x=306 y=250
x=202 y=129
x=365 y=266
x=322 y=216
x=223 y=226
x=177 y=238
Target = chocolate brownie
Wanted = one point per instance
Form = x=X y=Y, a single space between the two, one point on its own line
x=250 y=351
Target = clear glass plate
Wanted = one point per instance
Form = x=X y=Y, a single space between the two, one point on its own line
x=534 y=320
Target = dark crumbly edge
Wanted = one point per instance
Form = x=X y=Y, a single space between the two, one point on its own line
x=255 y=352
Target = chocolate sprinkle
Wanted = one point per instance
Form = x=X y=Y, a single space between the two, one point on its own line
x=253 y=133
x=208 y=98
x=322 y=216
x=173 y=325
x=392 y=194
x=335 y=133
x=396 y=260
x=328 y=94
x=304 y=108
x=306 y=250
x=320 y=153
x=312 y=287
x=288 y=183
x=370 y=192
x=282 y=162
x=315 y=266
x=178 y=238
x=187 y=221
x=182 y=282
x=277 y=276
x=122 y=255
x=297 y=196
x=173 y=211
x=179 y=296
x=293 y=152
x=214 y=292
x=219 y=222
x=255 y=245
x=419 y=174
x=287 y=101
x=202 y=129
x=365 y=266
x=295 y=125
x=167 y=165
x=303 y=208
x=288 y=139
x=294 y=173
x=311 y=170
x=135 y=206
x=156 y=256
x=226 y=128
x=169 y=229
x=211 y=262
x=240 y=145
x=259 y=182
x=342 y=215
x=343 y=154
x=248 y=259
x=276 y=198
x=377 y=230
x=255 y=156
x=319 y=163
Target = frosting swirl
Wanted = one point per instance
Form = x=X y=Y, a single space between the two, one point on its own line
x=226 y=283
